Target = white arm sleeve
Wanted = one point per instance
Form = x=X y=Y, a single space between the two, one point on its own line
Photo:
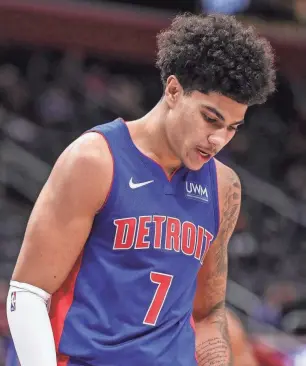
x=30 y=325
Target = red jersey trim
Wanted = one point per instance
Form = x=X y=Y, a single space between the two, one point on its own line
x=61 y=302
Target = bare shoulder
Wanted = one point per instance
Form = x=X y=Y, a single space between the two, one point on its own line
x=85 y=165
x=89 y=148
x=227 y=177
x=229 y=191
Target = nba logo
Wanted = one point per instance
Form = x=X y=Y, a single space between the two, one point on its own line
x=13 y=301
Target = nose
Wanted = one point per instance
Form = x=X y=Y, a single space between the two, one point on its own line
x=218 y=139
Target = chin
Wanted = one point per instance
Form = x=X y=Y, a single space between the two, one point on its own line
x=196 y=164
x=193 y=166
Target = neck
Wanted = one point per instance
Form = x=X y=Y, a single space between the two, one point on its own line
x=149 y=135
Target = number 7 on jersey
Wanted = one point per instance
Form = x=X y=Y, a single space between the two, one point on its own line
x=163 y=282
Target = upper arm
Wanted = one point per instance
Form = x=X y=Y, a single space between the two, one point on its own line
x=63 y=214
x=212 y=277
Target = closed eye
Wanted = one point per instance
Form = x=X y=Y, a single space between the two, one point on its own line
x=208 y=119
x=234 y=127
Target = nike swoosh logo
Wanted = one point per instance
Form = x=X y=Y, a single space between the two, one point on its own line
x=138 y=185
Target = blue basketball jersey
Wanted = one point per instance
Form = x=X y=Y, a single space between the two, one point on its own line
x=11 y=358
x=129 y=298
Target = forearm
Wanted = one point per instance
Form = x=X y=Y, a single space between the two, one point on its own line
x=30 y=325
x=212 y=340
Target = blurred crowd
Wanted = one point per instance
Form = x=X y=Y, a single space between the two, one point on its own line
x=288 y=10
x=48 y=98
x=271 y=146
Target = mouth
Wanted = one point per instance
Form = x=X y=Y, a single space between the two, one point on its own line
x=203 y=153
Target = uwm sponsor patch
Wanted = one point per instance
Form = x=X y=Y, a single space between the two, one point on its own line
x=196 y=191
x=169 y=233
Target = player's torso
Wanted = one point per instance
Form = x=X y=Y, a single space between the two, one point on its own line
x=135 y=282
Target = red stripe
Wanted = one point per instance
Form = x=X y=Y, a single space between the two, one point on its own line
x=62 y=360
x=60 y=304
x=267 y=355
x=194 y=329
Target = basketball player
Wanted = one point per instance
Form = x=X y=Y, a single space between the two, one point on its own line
x=129 y=235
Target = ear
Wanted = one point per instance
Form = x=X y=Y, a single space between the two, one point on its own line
x=173 y=91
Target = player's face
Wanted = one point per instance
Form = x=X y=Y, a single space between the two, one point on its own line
x=200 y=125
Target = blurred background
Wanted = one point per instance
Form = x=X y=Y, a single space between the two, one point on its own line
x=66 y=66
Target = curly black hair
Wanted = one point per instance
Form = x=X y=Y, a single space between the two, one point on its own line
x=216 y=53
